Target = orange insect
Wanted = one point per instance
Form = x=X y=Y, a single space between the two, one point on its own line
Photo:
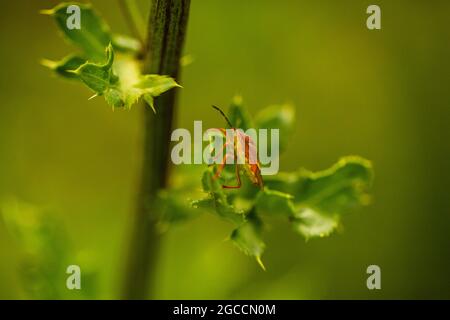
x=251 y=168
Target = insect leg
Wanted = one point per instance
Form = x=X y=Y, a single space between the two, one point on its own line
x=238 y=177
x=223 y=131
x=213 y=150
x=220 y=168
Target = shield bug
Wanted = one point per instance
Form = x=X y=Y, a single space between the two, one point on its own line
x=243 y=154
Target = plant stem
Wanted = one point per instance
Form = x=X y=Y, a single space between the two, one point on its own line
x=165 y=39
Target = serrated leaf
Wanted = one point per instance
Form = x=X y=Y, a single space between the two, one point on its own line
x=280 y=117
x=151 y=86
x=248 y=238
x=320 y=198
x=114 y=98
x=219 y=199
x=337 y=189
x=98 y=77
x=311 y=223
x=134 y=86
x=155 y=85
x=128 y=86
x=174 y=207
x=119 y=79
x=272 y=202
x=239 y=116
x=94 y=34
x=206 y=203
x=65 y=66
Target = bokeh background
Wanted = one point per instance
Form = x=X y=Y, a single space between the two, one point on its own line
x=381 y=94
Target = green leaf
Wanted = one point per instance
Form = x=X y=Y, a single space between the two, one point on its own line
x=114 y=98
x=311 y=223
x=320 y=198
x=65 y=66
x=206 y=203
x=218 y=200
x=98 y=77
x=133 y=85
x=280 y=117
x=147 y=86
x=248 y=238
x=155 y=85
x=94 y=34
x=239 y=116
x=120 y=81
x=174 y=207
x=272 y=202
x=126 y=44
x=337 y=189
x=151 y=86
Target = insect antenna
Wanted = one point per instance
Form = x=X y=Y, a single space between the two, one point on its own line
x=223 y=115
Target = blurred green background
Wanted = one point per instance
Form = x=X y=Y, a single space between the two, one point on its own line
x=381 y=94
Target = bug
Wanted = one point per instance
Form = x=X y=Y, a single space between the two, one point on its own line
x=252 y=168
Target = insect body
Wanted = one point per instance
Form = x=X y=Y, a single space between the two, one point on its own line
x=244 y=156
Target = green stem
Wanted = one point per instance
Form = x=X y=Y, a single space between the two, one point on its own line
x=133 y=18
x=165 y=40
